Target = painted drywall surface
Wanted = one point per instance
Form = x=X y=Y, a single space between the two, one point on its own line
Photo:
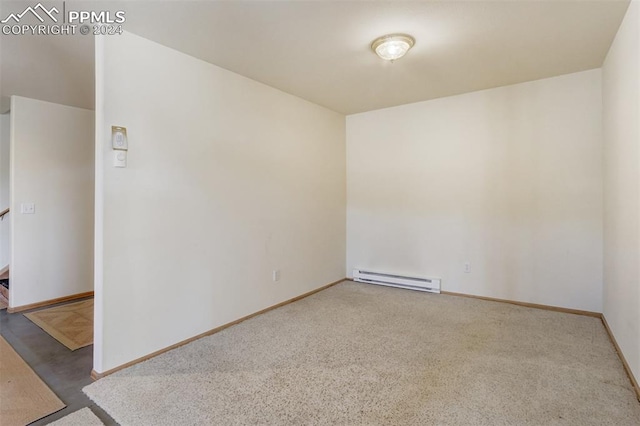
x=5 y=141
x=621 y=125
x=52 y=150
x=227 y=180
x=508 y=180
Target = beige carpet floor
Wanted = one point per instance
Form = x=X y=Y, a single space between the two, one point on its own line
x=24 y=397
x=83 y=417
x=70 y=324
x=358 y=354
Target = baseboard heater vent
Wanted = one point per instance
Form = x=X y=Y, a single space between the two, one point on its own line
x=431 y=285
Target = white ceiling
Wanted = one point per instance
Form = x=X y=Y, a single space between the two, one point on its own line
x=319 y=50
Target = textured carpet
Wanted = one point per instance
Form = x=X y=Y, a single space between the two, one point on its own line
x=358 y=354
x=70 y=324
x=83 y=417
x=24 y=397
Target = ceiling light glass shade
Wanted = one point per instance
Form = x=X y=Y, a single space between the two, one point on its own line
x=392 y=46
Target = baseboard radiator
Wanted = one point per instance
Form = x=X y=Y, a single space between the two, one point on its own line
x=432 y=285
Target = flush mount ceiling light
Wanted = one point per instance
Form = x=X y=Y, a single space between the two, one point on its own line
x=392 y=46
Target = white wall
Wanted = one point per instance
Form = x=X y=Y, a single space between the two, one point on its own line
x=52 y=165
x=5 y=141
x=507 y=179
x=227 y=179
x=621 y=100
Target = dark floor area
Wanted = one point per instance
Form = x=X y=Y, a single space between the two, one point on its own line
x=66 y=372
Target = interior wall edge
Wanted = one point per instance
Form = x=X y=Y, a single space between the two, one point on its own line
x=98 y=249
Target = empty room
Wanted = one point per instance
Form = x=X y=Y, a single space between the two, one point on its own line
x=320 y=212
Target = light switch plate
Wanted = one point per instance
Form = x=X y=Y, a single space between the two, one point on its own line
x=28 y=208
x=119 y=139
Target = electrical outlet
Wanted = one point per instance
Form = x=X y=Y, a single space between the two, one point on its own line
x=276 y=275
x=467 y=267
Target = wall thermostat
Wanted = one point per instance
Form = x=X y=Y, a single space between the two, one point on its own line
x=119 y=138
x=119 y=158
